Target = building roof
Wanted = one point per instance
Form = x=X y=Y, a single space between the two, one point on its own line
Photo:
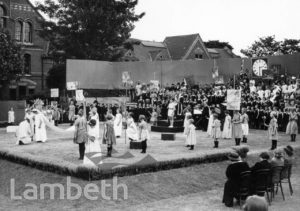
x=153 y=44
x=179 y=45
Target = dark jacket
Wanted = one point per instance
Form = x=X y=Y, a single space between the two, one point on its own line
x=264 y=164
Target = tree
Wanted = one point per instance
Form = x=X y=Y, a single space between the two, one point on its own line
x=56 y=77
x=90 y=29
x=268 y=46
x=217 y=44
x=11 y=64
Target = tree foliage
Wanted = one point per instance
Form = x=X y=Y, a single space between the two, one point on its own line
x=269 y=46
x=217 y=44
x=56 y=77
x=91 y=29
x=10 y=58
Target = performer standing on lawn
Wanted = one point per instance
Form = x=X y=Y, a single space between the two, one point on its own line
x=273 y=131
x=227 y=129
x=216 y=130
x=118 y=123
x=40 y=127
x=171 y=111
x=292 y=127
x=191 y=134
x=245 y=125
x=11 y=116
x=143 y=133
x=188 y=115
x=132 y=132
x=80 y=136
x=109 y=137
x=237 y=131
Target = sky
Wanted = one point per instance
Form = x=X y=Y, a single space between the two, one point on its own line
x=239 y=22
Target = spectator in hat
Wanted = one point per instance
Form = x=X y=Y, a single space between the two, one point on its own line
x=277 y=160
x=233 y=172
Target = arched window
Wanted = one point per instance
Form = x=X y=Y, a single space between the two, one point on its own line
x=18 y=31
x=27 y=63
x=2 y=18
x=28 y=32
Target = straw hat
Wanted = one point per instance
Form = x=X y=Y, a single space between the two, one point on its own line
x=289 y=150
x=233 y=156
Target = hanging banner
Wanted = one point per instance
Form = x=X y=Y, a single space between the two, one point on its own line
x=79 y=95
x=54 y=92
x=73 y=85
x=233 y=99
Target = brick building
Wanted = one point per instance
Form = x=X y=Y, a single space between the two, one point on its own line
x=21 y=20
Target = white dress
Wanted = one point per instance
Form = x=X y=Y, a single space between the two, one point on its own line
x=171 y=109
x=40 y=133
x=209 y=127
x=24 y=133
x=186 y=122
x=11 y=117
x=118 y=125
x=92 y=146
x=132 y=131
x=191 y=135
x=97 y=126
x=227 y=130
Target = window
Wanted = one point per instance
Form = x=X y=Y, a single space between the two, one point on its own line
x=18 y=31
x=27 y=63
x=2 y=18
x=28 y=32
x=198 y=56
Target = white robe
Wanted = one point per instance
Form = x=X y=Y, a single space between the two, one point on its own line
x=92 y=146
x=186 y=122
x=118 y=125
x=11 y=117
x=227 y=130
x=132 y=131
x=209 y=127
x=191 y=135
x=40 y=133
x=23 y=133
x=97 y=126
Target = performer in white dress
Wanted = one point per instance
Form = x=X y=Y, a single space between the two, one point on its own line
x=188 y=115
x=93 y=144
x=210 y=122
x=245 y=125
x=118 y=124
x=11 y=116
x=171 y=111
x=30 y=116
x=94 y=116
x=191 y=134
x=40 y=127
x=227 y=129
x=131 y=131
x=24 y=132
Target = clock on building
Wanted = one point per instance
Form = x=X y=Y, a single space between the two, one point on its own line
x=258 y=65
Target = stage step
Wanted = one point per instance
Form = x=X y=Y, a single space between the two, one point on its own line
x=167 y=129
x=165 y=123
x=168 y=136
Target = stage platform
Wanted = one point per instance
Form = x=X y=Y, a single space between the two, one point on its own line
x=59 y=154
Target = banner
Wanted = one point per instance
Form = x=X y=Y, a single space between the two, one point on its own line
x=125 y=77
x=54 y=92
x=219 y=80
x=73 y=85
x=154 y=84
x=233 y=99
x=79 y=95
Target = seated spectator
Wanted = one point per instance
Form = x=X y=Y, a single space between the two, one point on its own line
x=24 y=133
x=263 y=163
x=277 y=160
x=288 y=155
x=233 y=172
x=255 y=203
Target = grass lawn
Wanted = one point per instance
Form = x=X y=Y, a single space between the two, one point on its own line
x=198 y=187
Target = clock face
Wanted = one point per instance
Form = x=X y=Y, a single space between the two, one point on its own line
x=258 y=66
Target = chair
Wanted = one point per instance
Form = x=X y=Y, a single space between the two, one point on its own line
x=262 y=180
x=286 y=176
x=244 y=186
x=276 y=180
